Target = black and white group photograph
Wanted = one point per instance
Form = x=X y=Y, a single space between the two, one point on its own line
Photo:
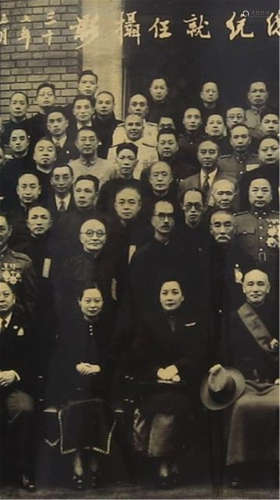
x=139 y=249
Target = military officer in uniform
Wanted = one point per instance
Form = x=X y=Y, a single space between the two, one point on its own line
x=138 y=105
x=241 y=160
x=258 y=229
x=16 y=269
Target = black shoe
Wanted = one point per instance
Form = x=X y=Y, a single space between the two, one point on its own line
x=27 y=483
x=78 y=482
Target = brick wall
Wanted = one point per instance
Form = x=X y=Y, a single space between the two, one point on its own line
x=60 y=63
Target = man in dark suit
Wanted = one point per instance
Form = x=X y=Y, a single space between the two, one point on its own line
x=207 y=155
x=57 y=124
x=60 y=199
x=15 y=382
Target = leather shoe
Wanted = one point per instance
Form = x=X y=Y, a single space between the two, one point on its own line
x=78 y=482
x=27 y=483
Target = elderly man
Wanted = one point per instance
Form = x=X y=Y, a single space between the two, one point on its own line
x=251 y=346
x=16 y=382
x=95 y=263
x=224 y=194
x=138 y=105
x=241 y=159
x=134 y=129
x=129 y=231
x=207 y=155
x=160 y=185
x=227 y=263
x=89 y=162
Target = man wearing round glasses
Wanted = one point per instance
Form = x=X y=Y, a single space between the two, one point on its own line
x=95 y=263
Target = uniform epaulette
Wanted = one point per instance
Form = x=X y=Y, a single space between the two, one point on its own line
x=147 y=145
x=152 y=124
x=275 y=212
x=19 y=255
x=120 y=125
x=222 y=157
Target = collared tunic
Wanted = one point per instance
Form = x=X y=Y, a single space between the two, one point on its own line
x=16 y=269
x=235 y=165
x=100 y=168
x=257 y=232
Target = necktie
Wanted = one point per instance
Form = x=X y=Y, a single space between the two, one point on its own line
x=206 y=185
x=62 y=207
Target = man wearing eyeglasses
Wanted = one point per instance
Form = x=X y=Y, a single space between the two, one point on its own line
x=159 y=255
x=94 y=264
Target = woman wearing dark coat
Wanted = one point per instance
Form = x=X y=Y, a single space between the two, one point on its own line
x=79 y=385
x=167 y=359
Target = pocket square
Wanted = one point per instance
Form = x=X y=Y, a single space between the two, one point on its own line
x=20 y=332
x=191 y=324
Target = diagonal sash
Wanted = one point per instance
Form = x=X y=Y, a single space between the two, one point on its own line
x=255 y=326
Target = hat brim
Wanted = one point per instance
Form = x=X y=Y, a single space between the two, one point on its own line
x=208 y=400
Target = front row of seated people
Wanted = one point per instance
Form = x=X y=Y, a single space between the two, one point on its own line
x=168 y=359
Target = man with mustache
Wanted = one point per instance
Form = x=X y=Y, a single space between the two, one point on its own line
x=227 y=263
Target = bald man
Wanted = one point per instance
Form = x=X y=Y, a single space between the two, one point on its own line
x=252 y=348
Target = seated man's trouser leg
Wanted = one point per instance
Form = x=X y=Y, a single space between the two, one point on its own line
x=253 y=425
x=20 y=410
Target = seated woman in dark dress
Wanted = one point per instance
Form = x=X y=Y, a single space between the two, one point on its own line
x=78 y=386
x=167 y=358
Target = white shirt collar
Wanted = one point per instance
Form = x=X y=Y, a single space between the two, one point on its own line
x=211 y=176
x=7 y=320
x=81 y=125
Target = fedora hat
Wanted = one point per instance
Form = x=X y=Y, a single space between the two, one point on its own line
x=221 y=387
